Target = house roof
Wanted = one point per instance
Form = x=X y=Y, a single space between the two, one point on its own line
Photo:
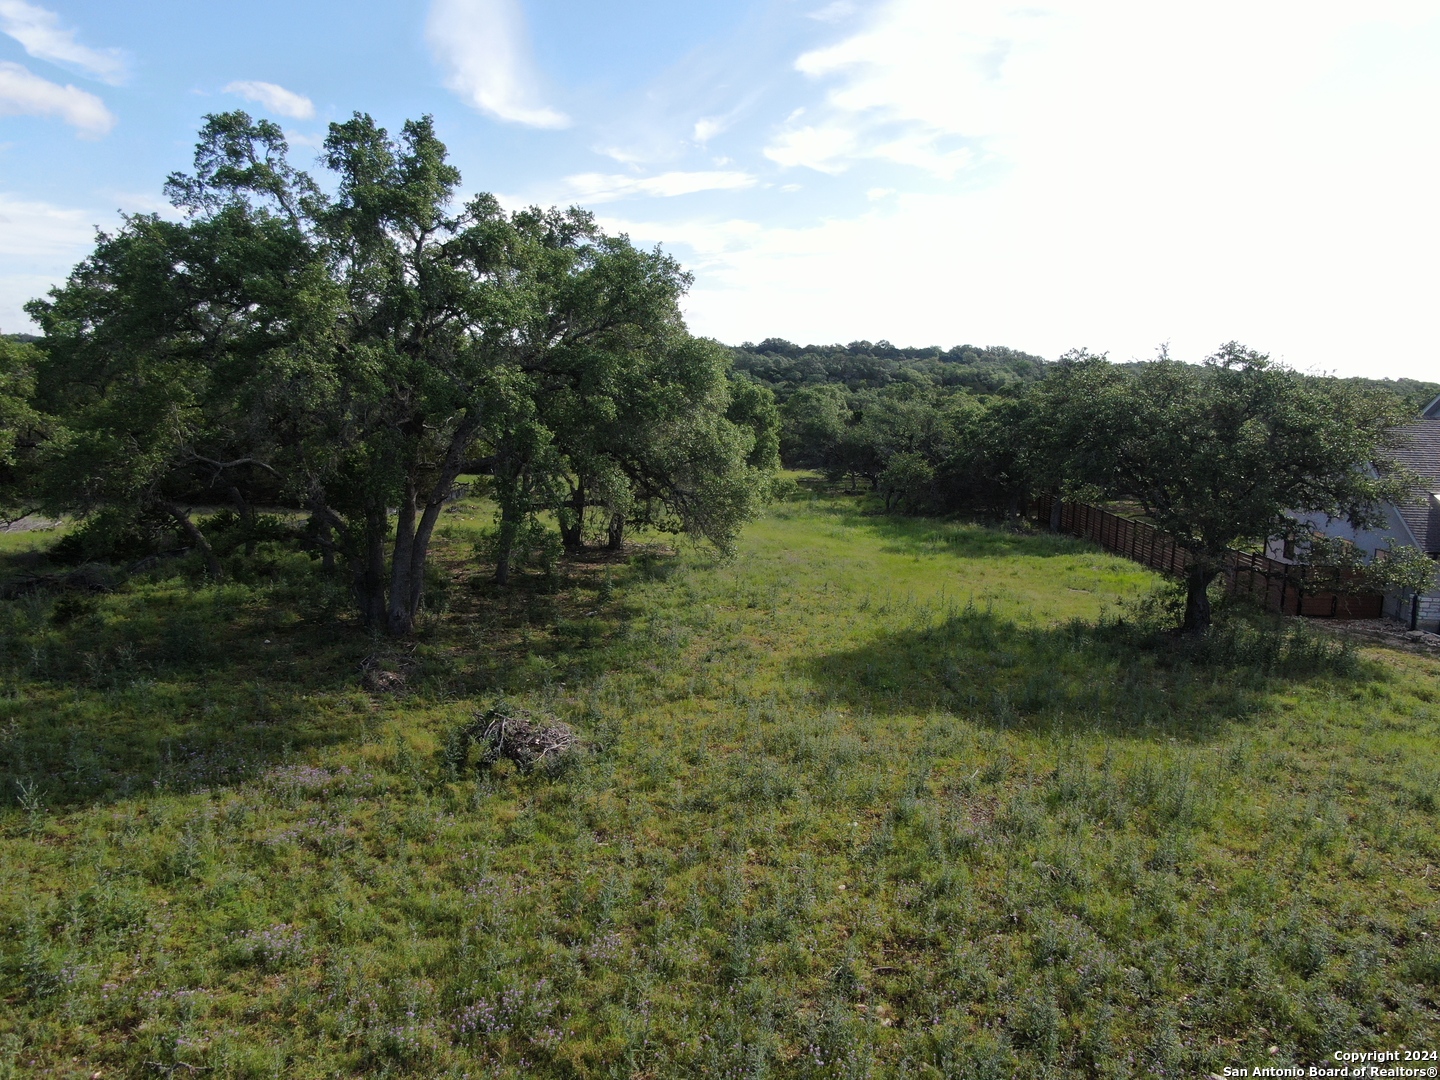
x=1419 y=451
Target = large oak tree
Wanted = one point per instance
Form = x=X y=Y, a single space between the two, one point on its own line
x=1219 y=455
x=357 y=347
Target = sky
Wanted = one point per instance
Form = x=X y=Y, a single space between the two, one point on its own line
x=1047 y=175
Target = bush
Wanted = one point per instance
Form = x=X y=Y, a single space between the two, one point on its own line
x=114 y=537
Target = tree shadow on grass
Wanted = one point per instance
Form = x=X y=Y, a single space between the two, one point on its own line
x=167 y=687
x=1117 y=677
x=172 y=684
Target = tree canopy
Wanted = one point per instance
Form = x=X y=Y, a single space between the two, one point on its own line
x=353 y=350
x=1219 y=455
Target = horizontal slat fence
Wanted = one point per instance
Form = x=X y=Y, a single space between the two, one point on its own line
x=1294 y=590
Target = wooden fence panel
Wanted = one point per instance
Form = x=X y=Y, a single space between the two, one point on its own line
x=1284 y=587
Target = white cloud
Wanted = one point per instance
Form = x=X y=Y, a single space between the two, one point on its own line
x=42 y=36
x=602 y=187
x=39 y=243
x=826 y=149
x=1105 y=175
x=920 y=76
x=23 y=93
x=32 y=228
x=140 y=202
x=620 y=154
x=314 y=141
x=482 y=46
x=707 y=128
x=275 y=98
x=15 y=290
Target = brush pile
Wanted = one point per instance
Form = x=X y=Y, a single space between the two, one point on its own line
x=506 y=731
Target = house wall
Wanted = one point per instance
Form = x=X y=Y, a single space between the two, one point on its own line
x=1367 y=540
x=1394 y=532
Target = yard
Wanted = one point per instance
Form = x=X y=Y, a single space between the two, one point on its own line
x=878 y=798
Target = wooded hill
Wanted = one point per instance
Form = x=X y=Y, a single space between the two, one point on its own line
x=991 y=369
x=785 y=366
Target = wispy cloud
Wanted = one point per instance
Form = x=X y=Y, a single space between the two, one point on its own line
x=825 y=149
x=915 y=86
x=44 y=38
x=706 y=128
x=314 y=140
x=32 y=228
x=834 y=11
x=23 y=93
x=40 y=242
x=602 y=187
x=1153 y=173
x=275 y=98
x=482 y=46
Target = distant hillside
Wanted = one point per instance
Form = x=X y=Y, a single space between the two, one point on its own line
x=992 y=369
x=785 y=366
x=1416 y=394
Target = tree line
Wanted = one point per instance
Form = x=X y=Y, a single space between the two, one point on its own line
x=349 y=346
x=862 y=365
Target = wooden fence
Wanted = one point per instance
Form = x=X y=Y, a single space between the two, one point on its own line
x=1294 y=590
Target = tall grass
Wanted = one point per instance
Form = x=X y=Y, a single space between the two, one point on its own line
x=877 y=798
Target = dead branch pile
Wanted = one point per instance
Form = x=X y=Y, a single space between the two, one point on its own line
x=506 y=731
x=387 y=673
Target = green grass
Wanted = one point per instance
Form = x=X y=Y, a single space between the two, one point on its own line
x=877 y=798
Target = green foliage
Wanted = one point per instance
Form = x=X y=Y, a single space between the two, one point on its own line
x=532 y=546
x=114 y=535
x=19 y=422
x=1402 y=569
x=789 y=368
x=349 y=352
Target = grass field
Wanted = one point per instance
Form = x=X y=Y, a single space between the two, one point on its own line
x=878 y=798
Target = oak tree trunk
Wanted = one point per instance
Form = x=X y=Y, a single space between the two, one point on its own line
x=414 y=527
x=505 y=544
x=1197 y=601
x=572 y=520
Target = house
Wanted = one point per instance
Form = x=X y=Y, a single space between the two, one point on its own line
x=1413 y=523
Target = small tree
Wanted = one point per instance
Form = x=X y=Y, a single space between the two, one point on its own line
x=1219 y=455
x=1404 y=570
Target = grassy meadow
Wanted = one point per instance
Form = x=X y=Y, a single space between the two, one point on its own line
x=877 y=798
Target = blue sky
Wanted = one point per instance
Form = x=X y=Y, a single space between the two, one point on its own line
x=1043 y=175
